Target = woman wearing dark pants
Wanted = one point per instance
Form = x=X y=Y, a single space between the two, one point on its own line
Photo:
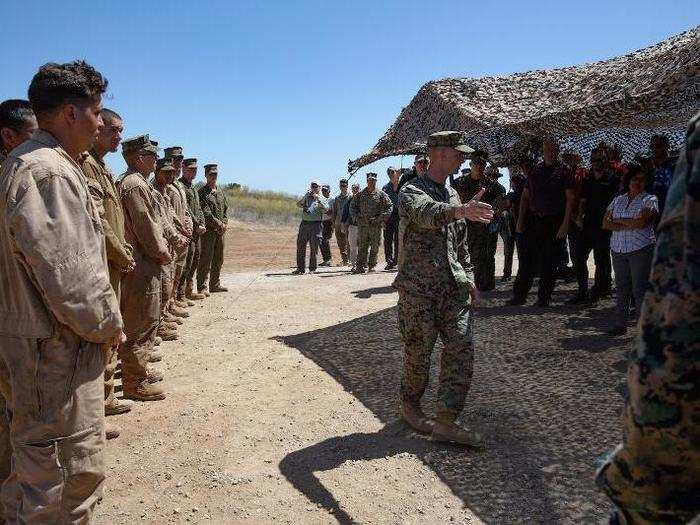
x=631 y=217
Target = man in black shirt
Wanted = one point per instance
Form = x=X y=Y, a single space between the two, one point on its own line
x=597 y=191
x=545 y=212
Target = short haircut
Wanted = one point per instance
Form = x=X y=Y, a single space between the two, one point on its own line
x=55 y=85
x=14 y=114
x=108 y=113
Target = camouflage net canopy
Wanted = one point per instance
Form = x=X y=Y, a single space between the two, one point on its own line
x=622 y=101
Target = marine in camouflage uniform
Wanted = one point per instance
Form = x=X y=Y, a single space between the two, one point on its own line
x=436 y=284
x=482 y=239
x=215 y=210
x=371 y=208
x=654 y=475
x=193 y=251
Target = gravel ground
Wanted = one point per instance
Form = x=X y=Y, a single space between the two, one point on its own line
x=282 y=408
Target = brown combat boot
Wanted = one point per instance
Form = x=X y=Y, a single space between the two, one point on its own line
x=168 y=317
x=168 y=335
x=153 y=375
x=115 y=408
x=179 y=312
x=451 y=432
x=180 y=303
x=155 y=357
x=219 y=289
x=415 y=417
x=191 y=294
x=143 y=392
x=111 y=431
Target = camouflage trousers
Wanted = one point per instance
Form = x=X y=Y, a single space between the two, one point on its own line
x=421 y=320
x=54 y=389
x=653 y=476
x=193 y=252
x=369 y=237
x=482 y=248
x=341 y=237
x=210 y=261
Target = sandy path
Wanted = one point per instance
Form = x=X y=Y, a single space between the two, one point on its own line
x=281 y=407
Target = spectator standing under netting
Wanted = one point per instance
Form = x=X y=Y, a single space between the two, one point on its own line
x=662 y=169
x=631 y=218
x=545 y=212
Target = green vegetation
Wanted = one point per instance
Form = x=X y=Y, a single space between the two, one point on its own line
x=269 y=207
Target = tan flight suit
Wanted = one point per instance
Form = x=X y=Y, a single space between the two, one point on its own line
x=57 y=311
x=5 y=445
x=119 y=253
x=183 y=225
x=165 y=217
x=141 y=300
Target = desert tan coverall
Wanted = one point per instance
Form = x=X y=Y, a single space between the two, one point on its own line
x=141 y=297
x=57 y=311
x=119 y=252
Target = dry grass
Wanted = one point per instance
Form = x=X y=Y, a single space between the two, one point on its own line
x=269 y=207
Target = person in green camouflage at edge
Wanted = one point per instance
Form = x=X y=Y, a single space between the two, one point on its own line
x=653 y=476
x=436 y=289
x=371 y=208
x=482 y=239
x=215 y=210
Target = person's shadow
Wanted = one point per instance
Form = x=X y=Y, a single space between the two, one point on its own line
x=548 y=413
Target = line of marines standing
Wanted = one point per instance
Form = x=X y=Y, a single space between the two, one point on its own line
x=93 y=270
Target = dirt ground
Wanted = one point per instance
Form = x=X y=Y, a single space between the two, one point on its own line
x=282 y=408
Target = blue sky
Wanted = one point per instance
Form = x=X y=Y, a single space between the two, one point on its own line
x=279 y=93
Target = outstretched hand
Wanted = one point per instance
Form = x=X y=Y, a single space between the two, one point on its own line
x=475 y=210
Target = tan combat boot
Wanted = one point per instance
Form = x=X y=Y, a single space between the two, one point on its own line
x=415 y=417
x=204 y=292
x=178 y=312
x=451 y=432
x=168 y=335
x=168 y=317
x=115 y=408
x=153 y=375
x=143 y=391
x=191 y=294
x=157 y=341
x=111 y=431
x=155 y=357
x=180 y=303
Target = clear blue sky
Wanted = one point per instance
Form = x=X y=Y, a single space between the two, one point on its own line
x=279 y=92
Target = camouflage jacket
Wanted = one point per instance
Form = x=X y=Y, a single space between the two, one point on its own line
x=214 y=207
x=193 y=202
x=371 y=208
x=433 y=258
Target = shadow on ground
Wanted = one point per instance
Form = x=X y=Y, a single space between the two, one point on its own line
x=546 y=401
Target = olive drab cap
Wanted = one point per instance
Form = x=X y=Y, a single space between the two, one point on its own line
x=371 y=176
x=211 y=169
x=165 y=164
x=189 y=163
x=173 y=151
x=450 y=139
x=139 y=144
x=480 y=156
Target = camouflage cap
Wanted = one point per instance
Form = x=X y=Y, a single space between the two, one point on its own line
x=420 y=158
x=326 y=187
x=480 y=156
x=390 y=169
x=189 y=163
x=456 y=140
x=211 y=169
x=371 y=176
x=173 y=151
x=343 y=182
x=165 y=164
x=140 y=143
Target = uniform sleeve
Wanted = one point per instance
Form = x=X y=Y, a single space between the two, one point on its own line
x=423 y=210
x=465 y=260
x=225 y=217
x=142 y=217
x=387 y=207
x=56 y=241
x=118 y=253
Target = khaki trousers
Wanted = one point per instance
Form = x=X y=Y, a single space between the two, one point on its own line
x=54 y=393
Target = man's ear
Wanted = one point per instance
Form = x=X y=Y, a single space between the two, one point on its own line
x=70 y=113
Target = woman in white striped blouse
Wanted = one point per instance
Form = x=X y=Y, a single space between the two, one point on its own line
x=631 y=217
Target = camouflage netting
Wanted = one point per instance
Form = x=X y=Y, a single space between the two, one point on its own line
x=623 y=101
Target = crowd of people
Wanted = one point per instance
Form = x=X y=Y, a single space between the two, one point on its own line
x=95 y=273
x=555 y=214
